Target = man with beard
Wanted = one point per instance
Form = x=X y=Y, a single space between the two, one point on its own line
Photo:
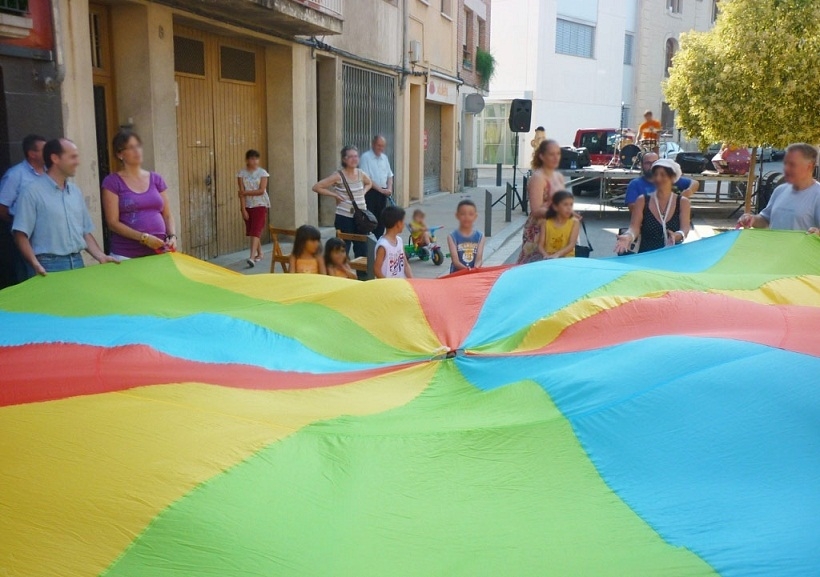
x=643 y=185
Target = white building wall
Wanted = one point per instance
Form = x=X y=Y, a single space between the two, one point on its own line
x=568 y=92
x=574 y=92
x=628 y=86
x=515 y=34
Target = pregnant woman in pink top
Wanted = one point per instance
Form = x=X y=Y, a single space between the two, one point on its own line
x=135 y=204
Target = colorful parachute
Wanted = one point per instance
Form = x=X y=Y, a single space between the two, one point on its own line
x=641 y=416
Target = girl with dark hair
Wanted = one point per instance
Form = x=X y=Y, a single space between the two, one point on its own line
x=306 y=256
x=337 y=262
x=334 y=186
x=135 y=204
x=253 y=196
x=545 y=180
x=661 y=218
x=559 y=232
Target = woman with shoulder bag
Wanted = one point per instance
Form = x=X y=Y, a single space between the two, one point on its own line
x=348 y=187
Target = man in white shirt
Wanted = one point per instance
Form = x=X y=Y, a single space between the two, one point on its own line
x=796 y=204
x=375 y=164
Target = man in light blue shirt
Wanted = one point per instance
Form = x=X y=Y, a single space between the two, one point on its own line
x=51 y=222
x=16 y=178
x=796 y=204
x=375 y=164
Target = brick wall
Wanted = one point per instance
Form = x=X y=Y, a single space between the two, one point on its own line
x=473 y=31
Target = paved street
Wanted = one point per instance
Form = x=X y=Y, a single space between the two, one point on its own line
x=503 y=245
x=440 y=210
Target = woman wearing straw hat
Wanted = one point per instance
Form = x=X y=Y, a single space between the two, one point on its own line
x=661 y=218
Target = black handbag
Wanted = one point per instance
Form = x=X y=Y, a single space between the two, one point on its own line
x=365 y=221
x=582 y=251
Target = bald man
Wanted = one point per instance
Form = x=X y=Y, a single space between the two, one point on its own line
x=375 y=164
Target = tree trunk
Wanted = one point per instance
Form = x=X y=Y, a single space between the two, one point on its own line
x=751 y=181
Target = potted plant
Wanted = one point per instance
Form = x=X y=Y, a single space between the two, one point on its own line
x=484 y=66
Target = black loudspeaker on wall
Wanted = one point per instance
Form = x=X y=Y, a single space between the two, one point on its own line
x=520 y=115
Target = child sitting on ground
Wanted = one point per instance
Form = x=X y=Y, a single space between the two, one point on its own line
x=337 y=261
x=390 y=259
x=466 y=244
x=559 y=233
x=306 y=257
x=419 y=233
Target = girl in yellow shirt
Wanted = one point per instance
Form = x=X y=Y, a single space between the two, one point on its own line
x=559 y=232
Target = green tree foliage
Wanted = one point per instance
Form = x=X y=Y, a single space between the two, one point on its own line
x=754 y=78
x=485 y=66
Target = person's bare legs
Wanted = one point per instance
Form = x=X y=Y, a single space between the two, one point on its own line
x=256 y=248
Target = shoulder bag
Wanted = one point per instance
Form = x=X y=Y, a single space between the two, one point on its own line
x=364 y=220
x=582 y=251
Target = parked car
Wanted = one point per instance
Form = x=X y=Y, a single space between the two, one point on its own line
x=765 y=153
x=669 y=150
x=600 y=142
x=778 y=154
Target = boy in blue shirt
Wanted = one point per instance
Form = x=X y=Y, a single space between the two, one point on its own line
x=466 y=244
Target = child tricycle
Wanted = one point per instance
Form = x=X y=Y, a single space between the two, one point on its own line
x=431 y=251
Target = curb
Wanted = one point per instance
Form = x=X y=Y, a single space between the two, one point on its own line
x=495 y=251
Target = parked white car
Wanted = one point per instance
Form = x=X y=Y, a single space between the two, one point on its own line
x=669 y=150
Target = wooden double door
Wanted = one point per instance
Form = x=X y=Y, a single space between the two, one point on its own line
x=221 y=113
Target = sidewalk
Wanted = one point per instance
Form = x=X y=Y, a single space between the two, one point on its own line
x=503 y=245
x=440 y=210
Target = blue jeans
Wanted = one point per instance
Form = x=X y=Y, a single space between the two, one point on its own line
x=347 y=225
x=58 y=263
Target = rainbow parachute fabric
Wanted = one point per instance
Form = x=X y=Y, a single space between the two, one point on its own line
x=641 y=416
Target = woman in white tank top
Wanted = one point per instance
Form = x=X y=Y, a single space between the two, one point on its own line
x=333 y=187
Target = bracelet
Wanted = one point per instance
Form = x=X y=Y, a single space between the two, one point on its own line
x=170 y=236
x=143 y=238
x=630 y=233
x=682 y=236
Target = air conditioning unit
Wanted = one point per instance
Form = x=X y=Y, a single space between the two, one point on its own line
x=415 y=51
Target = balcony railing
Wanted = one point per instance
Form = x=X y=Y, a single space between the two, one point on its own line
x=331 y=7
x=16 y=7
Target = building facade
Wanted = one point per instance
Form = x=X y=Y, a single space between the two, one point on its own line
x=432 y=97
x=657 y=41
x=29 y=101
x=202 y=81
x=474 y=20
x=584 y=64
x=567 y=56
x=29 y=76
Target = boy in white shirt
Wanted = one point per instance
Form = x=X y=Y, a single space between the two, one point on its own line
x=390 y=259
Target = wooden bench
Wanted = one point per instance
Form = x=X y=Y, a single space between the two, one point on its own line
x=366 y=263
x=278 y=255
